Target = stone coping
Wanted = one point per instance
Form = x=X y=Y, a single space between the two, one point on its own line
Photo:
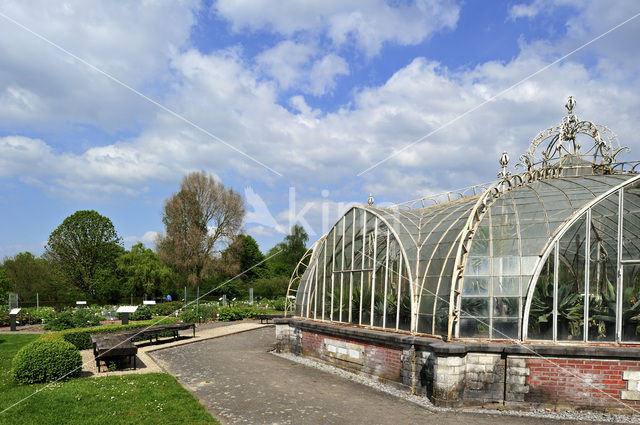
x=461 y=348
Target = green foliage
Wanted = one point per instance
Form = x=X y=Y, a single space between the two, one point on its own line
x=603 y=308
x=46 y=360
x=70 y=319
x=142 y=272
x=272 y=287
x=166 y=309
x=142 y=313
x=28 y=316
x=5 y=286
x=284 y=257
x=151 y=399
x=251 y=258
x=570 y=306
x=228 y=314
x=82 y=340
x=198 y=314
x=28 y=275
x=277 y=304
x=84 y=248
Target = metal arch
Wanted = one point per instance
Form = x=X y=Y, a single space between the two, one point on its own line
x=465 y=237
x=384 y=220
x=311 y=254
x=605 y=146
x=552 y=242
x=296 y=277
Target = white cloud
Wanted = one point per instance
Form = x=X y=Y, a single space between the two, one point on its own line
x=285 y=62
x=324 y=73
x=148 y=239
x=368 y=23
x=229 y=97
x=133 y=41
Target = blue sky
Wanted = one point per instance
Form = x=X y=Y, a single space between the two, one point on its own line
x=315 y=91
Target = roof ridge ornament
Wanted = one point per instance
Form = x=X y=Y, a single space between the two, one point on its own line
x=560 y=141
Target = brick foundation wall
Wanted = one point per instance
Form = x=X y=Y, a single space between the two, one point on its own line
x=459 y=373
x=376 y=360
x=587 y=383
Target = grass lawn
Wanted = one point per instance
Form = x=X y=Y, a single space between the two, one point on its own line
x=155 y=398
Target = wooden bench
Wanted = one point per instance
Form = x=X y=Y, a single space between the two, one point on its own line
x=109 y=346
x=264 y=318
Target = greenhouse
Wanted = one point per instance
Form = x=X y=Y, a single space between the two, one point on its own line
x=496 y=274
x=551 y=254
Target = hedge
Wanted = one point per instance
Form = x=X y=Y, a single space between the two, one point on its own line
x=46 y=360
x=81 y=337
x=227 y=314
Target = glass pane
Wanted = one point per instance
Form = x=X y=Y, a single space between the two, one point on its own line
x=506 y=286
x=631 y=222
x=631 y=303
x=603 y=260
x=405 y=304
x=503 y=266
x=478 y=266
x=474 y=314
x=570 y=297
x=366 y=297
x=475 y=285
x=541 y=310
x=506 y=307
x=356 y=297
x=505 y=328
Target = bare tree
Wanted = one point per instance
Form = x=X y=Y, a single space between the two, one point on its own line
x=200 y=220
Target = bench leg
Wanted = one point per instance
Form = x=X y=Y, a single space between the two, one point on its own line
x=134 y=362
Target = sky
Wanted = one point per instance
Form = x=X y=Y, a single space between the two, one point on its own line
x=304 y=108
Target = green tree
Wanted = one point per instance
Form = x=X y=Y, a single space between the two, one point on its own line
x=251 y=259
x=143 y=272
x=85 y=248
x=200 y=220
x=5 y=285
x=284 y=257
x=29 y=275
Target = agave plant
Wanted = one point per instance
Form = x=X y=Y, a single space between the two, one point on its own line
x=604 y=308
x=570 y=307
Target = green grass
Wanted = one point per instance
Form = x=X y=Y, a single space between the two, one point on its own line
x=155 y=398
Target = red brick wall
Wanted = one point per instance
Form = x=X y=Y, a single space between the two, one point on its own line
x=573 y=382
x=379 y=361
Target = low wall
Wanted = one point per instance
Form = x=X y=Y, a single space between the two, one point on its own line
x=454 y=374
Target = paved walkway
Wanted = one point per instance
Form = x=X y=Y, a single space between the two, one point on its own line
x=146 y=364
x=239 y=381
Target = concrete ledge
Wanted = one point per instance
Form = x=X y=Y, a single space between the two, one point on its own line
x=460 y=348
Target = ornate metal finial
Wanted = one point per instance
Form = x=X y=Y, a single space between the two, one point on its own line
x=370 y=200
x=504 y=161
x=571 y=103
x=561 y=141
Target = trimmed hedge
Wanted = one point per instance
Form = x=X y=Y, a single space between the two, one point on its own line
x=46 y=360
x=228 y=314
x=81 y=339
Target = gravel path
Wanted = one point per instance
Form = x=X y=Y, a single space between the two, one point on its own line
x=239 y=380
